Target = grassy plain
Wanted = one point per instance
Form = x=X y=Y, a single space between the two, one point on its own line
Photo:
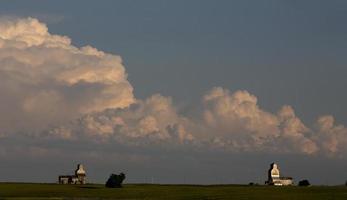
x=26 y=191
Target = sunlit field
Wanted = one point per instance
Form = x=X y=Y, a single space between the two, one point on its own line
x=148 y=191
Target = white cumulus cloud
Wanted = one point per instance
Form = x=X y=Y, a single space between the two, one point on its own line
x=45 y=80
x=331 y=137
x=153 y=120
x=54 y=90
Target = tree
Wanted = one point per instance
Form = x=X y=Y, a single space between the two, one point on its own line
x=304 y=183
x=115 y=181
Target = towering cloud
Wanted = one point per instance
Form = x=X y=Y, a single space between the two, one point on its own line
x=239 y=123
x=238 y=117
x=152 y=121
x=295 y=136
x=332 y=138
x=52 y=89
x=46 y=81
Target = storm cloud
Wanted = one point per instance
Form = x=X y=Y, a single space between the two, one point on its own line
x=47 y=81
x=52 y=90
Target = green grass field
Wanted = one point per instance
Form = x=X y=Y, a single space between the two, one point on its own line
x=148 y=191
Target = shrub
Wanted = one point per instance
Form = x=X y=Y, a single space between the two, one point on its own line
x=304 y=183
x=115 y=181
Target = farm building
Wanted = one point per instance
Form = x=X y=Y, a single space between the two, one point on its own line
x=274 y=177
x=78 y=178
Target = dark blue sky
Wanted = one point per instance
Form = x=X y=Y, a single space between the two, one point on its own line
x=284 y=52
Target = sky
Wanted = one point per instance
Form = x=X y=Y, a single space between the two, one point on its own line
x=173 y=91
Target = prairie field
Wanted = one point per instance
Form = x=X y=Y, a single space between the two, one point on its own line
x=26 y=191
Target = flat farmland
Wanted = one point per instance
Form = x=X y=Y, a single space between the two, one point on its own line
x=25 y=191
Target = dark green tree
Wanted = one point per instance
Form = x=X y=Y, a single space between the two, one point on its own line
x=115 y=180
x=304 y=183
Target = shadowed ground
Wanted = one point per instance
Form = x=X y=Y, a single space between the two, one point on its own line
x=27 y=191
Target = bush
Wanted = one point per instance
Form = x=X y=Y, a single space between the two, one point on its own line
x=304 y=183
x=115 y=181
